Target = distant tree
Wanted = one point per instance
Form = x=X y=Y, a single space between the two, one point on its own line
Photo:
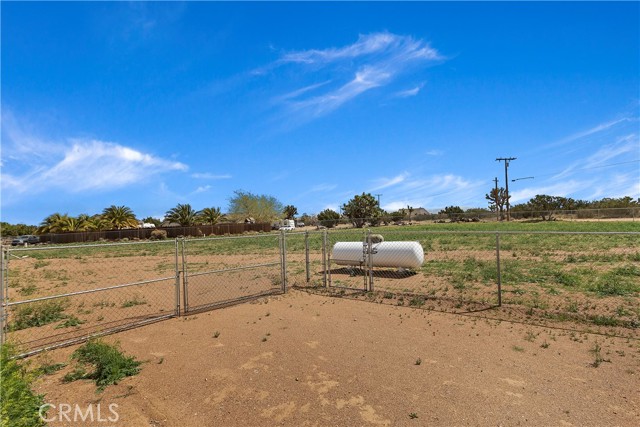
x=397 y=215
x=309 y=219
x=211 y=216
x=545 y=205
x=51 y=224
x=329 y=218
x=477 y=212
x=410 y=210
x=497 y=200
x=262 y=208
x=362 y=208
x=120 y=217
x=70 y=224
x=290 y=212
x=452 y=212
x=184 y=215
x=152 y=220
x=97 y=223
x=7 y=229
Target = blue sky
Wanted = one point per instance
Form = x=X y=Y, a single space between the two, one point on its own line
x=153 y=104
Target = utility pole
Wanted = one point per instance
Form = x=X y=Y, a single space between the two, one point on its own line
x=378 y=195
x=506 y=161
x=495 y=180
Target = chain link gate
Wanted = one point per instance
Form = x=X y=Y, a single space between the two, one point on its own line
x=224 y=271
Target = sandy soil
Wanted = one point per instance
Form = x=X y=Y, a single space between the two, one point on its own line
x=310 y=360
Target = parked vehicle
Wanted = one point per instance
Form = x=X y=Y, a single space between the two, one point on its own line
x=26 y=239
x=284 y=224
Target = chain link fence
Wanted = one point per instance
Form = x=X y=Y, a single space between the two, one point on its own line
x=563 y=275
x=54 y=296
x=57 y=295
x=219 y=272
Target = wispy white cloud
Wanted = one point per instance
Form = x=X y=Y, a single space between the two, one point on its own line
x=96 y=165
x=592 y=131
x=367 y=44
x=298 y=92
x=389 y=182
x=373 y=61
x=622 y=145
x=210 y=176
x=365 y=79
x=430 y=192
x=75 y=165
x=563 y=189
x=434 y=153
x=323 y=187
x=201 y=189
x=408 y=92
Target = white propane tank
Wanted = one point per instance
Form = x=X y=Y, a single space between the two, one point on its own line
x=385 y=254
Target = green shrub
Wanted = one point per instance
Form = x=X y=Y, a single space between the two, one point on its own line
x=158 y=235
x=38 y=314
x=20 y=404
x=110 y=364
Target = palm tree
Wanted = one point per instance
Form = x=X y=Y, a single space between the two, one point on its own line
x=69 y=224
x=97 y=223
x=83 y=222
x=210 y=216
x=120 y=217
x=51 y=224
x=184 y=215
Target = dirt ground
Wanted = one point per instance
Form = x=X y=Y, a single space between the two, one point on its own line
x=309 y=360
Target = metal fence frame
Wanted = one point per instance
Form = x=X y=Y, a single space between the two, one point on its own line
x=6 y=303
x=182 y=274
x=180 y=278
x=368 y=253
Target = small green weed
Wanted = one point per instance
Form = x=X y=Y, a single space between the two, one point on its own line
x=70 y=322
x=418 y=361
x=27 y=290
x=417 y=301
x=19 y=403
x=41 y=263
x=596 y=350
x=133 y=302
x=50 y=368
x=38 y=314
x=109 y=363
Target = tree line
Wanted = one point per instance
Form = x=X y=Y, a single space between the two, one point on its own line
x=360 y=210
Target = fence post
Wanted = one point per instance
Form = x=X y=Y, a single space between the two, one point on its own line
x=185 y=280
x=498 y=269
x=324 y=258
x=177 y=279
x=4 y=260
x=283 y=260
x=306 y=253
x=370 y=260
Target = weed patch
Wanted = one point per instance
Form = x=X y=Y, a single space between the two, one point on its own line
x=109 y=364
x=38 y=314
